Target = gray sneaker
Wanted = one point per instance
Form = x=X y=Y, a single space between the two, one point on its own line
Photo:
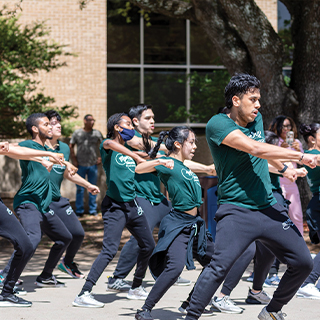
x=87 y=301
x=258 y=298
x=183 y=282
x=226 y=305
x=13 y=301
x=265 y=315
x=118 y=285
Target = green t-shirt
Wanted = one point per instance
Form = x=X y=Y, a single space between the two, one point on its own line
x=120 y=170
x=275 y=182
x=244 y=179
x=313 y=176
x=148 y=184
x=56 y=174
x=182 y=185
x=35 y=187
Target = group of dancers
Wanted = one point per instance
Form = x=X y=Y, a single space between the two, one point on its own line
x=252 y=216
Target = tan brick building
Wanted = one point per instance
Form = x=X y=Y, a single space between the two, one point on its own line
x=83 y=82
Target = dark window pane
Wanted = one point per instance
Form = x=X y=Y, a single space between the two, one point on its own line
x=123 y=89
x=284 y=17
x=202 y=49
x=207 y=94
x=165 y=40
x=123 y=34
x=166 y=92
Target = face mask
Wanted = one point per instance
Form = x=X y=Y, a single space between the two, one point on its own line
x=127 y=134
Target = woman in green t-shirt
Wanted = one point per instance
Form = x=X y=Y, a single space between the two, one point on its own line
x=182 y=233
x=311 y=134
x=119 y=209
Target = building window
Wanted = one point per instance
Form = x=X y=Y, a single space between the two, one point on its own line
x=165 y=64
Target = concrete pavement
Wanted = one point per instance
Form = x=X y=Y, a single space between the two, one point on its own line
x=55 y=304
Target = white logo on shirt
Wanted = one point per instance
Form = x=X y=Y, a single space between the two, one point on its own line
x=127 y=161
x=9 y=211
x=256 y=136
x=189 y=175
x=51 y=212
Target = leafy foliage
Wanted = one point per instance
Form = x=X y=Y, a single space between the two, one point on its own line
x=24 y=51
x=207 y=97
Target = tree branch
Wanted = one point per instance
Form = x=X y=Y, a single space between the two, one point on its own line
x=171 y=8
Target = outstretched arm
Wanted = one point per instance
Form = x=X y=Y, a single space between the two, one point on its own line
x=110 y=144
x=23 y=153
x=198 y=167
x=238 y=140
x=81 y=182
x=137 y=143
x=149 y=166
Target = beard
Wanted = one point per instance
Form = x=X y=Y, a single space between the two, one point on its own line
x=44 y=136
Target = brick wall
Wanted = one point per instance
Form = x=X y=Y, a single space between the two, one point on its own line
x=270 y=9
x=84 y=81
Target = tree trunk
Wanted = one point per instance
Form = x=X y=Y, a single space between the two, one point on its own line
x=305 y=79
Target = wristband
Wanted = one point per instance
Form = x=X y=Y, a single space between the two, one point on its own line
x=301 y=157
x=284 y=169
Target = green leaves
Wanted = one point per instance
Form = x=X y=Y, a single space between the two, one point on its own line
x=24 y=51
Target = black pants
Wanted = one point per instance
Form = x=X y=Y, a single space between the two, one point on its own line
x=176 y=259
x=129 y=253
x=64 y=211
x=313 y=212
x=34 y=223
x=11 y=229
x=116 y=216
x=237 y=227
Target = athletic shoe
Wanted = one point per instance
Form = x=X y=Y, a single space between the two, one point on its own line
x=182 y=282
x=71 y=270
x=118 y=284
x=250 y=278
x=19 y=291
x=226 y=305
x=206 y=313
x=1 y=280
x=309 y=291
x=258 y=298
x=13 y=301
x=139 y=293
x=143 y=314
x=265 y=315
x=273 y=281
x=87 y=301
x=50 y=282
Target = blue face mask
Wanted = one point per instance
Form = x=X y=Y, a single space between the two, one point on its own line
x=127 y=134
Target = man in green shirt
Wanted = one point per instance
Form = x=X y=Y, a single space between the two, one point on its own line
x=247 y=209
x=31 y=203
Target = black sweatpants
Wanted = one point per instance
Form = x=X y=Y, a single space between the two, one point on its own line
x=176 y=259
x=116 y=216
x=64 y=211
x=129 y=253
x=34 y=223
x=11 y=229
x=237 y=228
x=313 y=212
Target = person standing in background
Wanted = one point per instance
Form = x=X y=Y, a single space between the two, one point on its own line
x=87 y=159
x=281 y=125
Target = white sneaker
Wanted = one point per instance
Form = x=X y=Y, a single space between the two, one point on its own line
x=309 y=291
x=226 y=305
x=87 y=301
x=139 y=293
x=265 y=315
